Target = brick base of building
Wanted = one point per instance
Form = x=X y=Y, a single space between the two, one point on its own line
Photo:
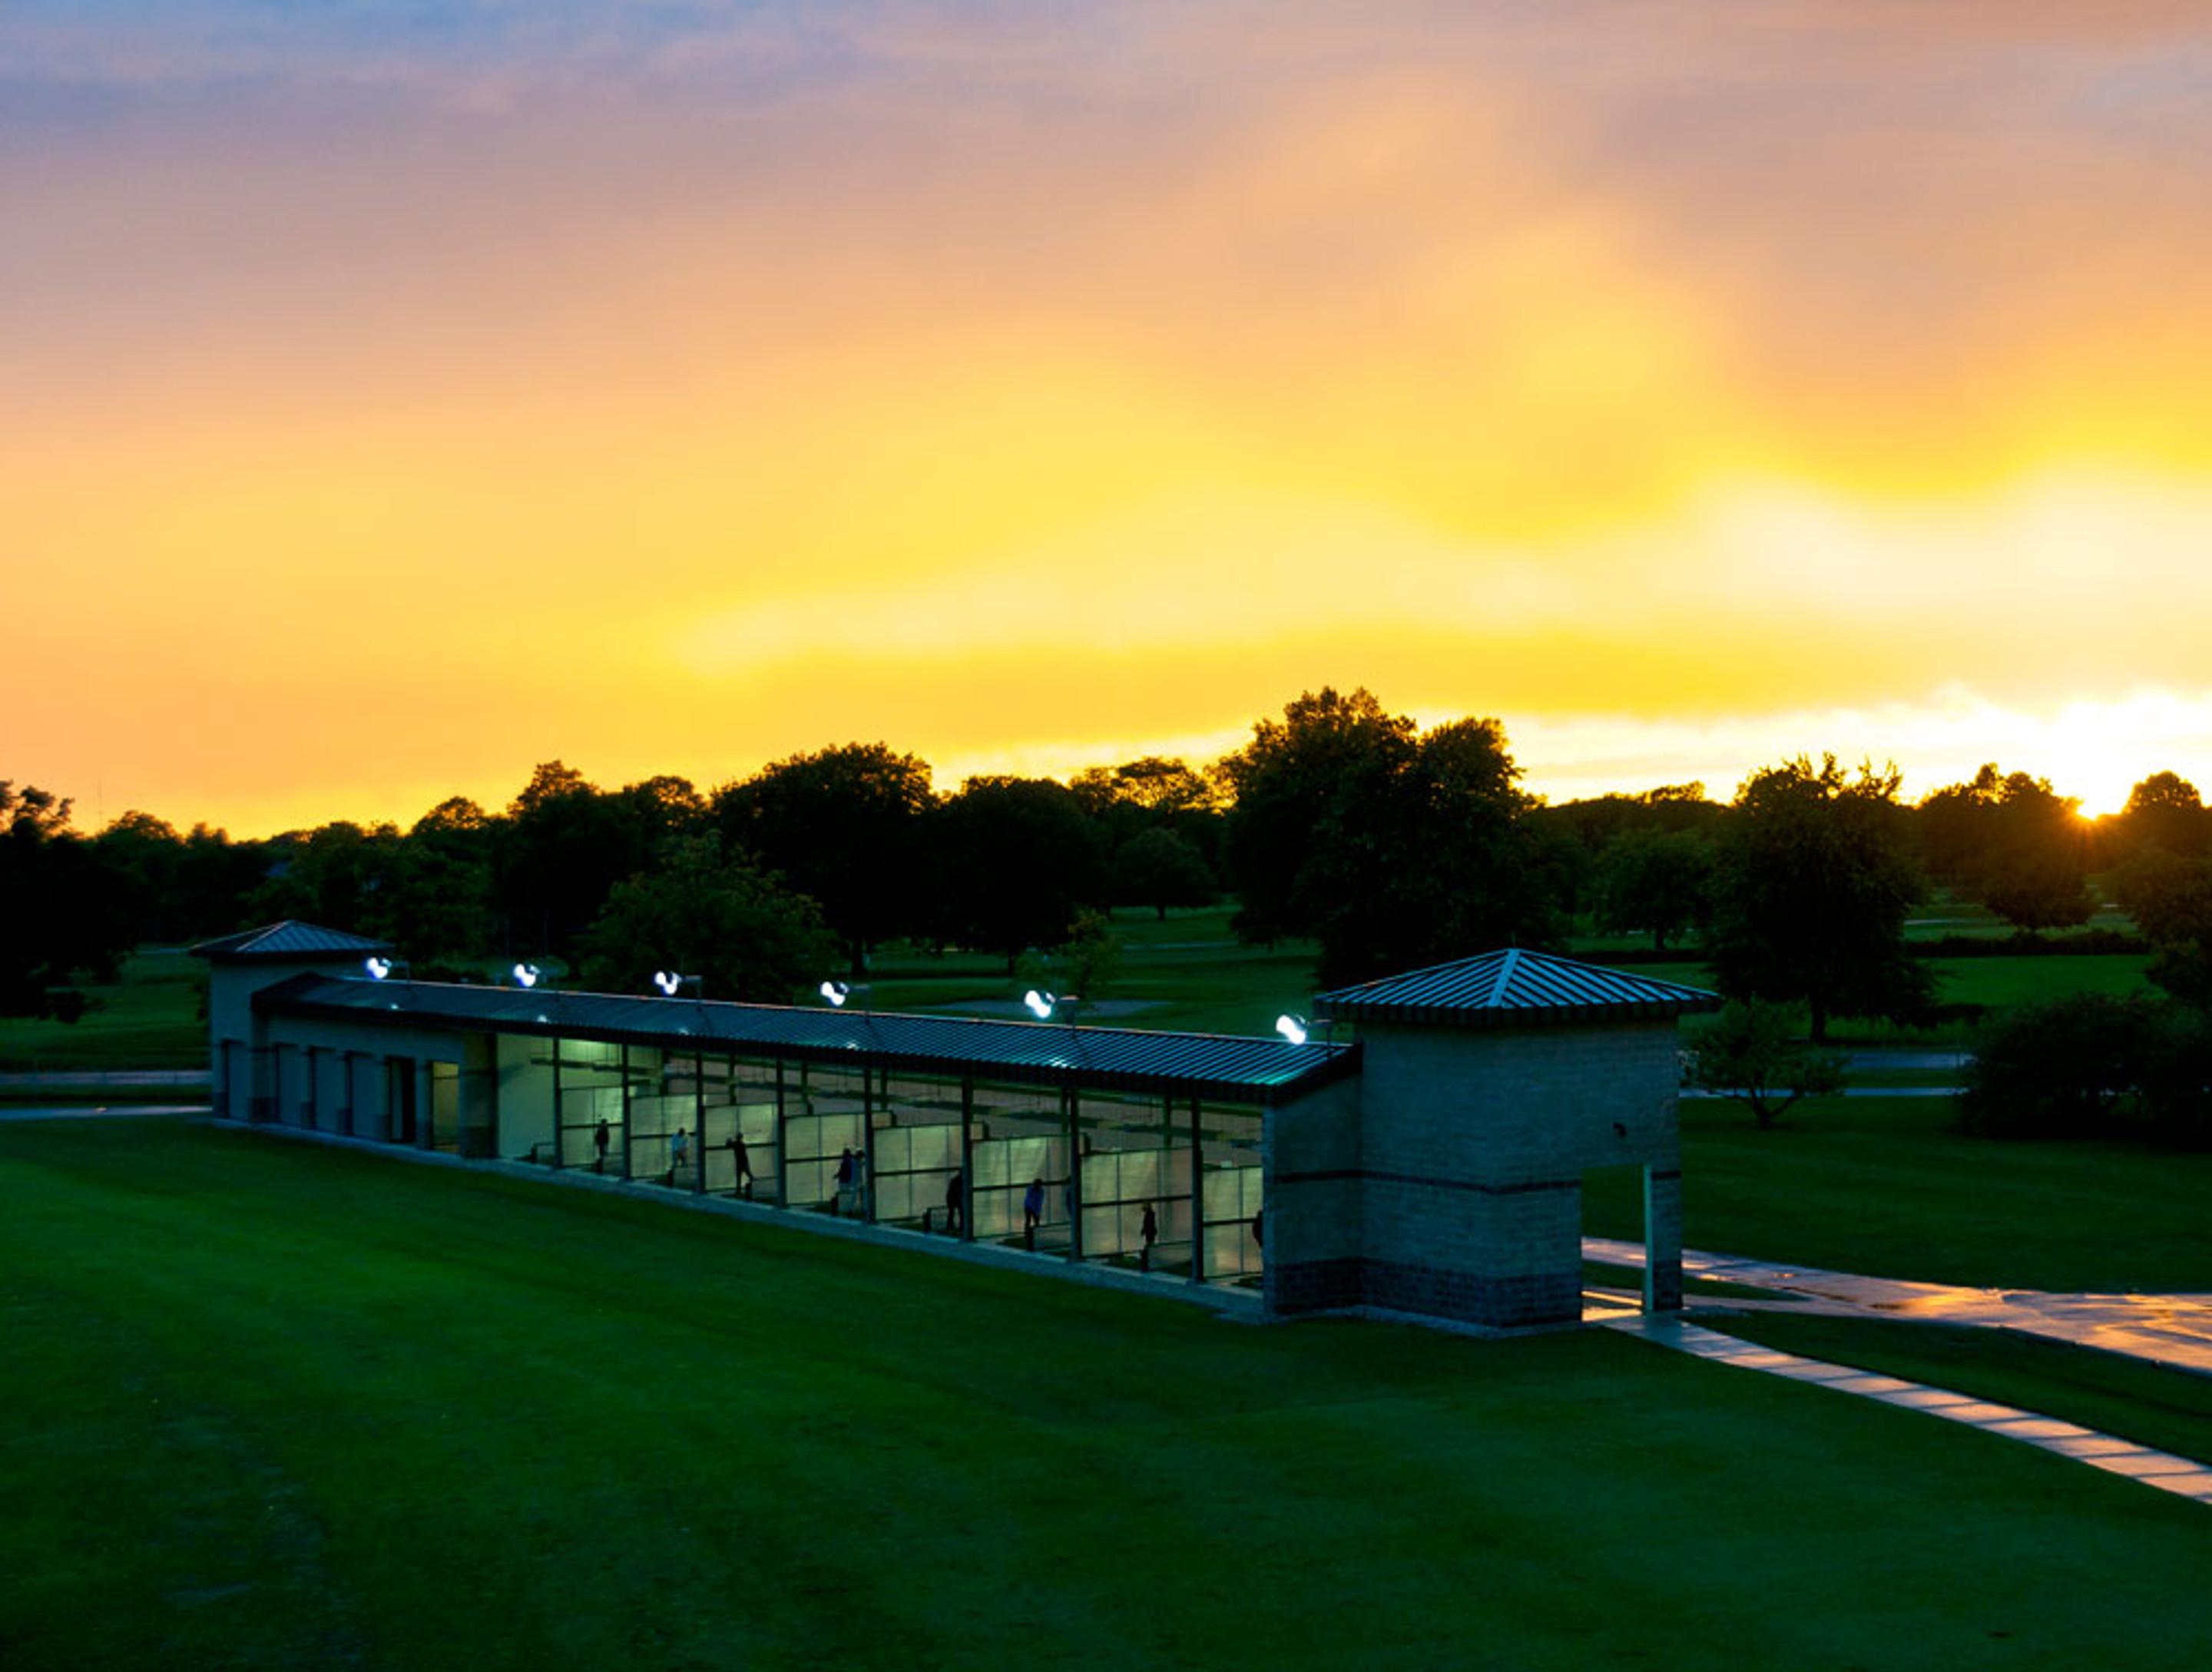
x=1494 y=1303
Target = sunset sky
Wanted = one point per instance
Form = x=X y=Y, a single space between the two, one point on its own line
x=394 y=396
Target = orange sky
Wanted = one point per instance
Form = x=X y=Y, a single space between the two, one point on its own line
x=386 y=407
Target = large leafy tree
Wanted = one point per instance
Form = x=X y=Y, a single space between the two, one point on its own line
x=844 y=826
x=2012 y=842
x=1391 y=847
x=1017 y=859
x=1658 y=881
x=2165 y=811
x=1160 y=869
x=1287 y=787
x=566 y=844
x=1814 y=882
x=64 y=913
x=707 y=911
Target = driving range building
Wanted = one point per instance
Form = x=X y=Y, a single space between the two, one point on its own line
x=1433 y=1169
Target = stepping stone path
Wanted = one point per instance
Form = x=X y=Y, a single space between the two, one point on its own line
x=2182 y=1476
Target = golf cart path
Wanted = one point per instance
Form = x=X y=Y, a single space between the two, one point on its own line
x=2184 y=1477
x=2174 y=1331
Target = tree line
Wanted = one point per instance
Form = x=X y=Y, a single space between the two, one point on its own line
x=1389 y=845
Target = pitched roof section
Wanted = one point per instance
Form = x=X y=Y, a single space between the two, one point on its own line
x=1513 y=989
x=1193 y=1065
x=289 y=939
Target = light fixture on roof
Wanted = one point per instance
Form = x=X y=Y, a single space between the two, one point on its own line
x=667 y=981
x=1040 y=1004
x=377 y=968
x=526 y=975
x=1293 y=1028
x=836 y=993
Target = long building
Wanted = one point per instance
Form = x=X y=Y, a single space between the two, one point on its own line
x=1432 y=1170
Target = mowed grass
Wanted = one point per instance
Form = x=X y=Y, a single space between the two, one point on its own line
x=2169 y=1409
x=149 y=1017
x=1890 y=1186
x=275 y=1405
x=1185 y=972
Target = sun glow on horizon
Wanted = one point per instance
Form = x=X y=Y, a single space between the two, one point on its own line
x=674 y=394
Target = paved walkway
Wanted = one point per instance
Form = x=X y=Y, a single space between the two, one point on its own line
x=61 y=1080
x=77 y=1111
x=2171 y=1330
x=2184 y=1476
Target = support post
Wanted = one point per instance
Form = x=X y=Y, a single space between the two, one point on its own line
x=623 y=1066
x=699 y=1122
x=1074 y=1193
x=966 y=1161
x=1197 y=1196
x=559 y=1132
x=867 y=1145
x=782 y=1143
x=1662 y=1239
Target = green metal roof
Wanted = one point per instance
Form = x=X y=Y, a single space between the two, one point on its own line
x=1199 y=1065
x=289 y=939
x=1513 y=989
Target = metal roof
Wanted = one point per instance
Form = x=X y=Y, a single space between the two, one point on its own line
x=1513 y=989
x=289 y=940
x=1200 y=1065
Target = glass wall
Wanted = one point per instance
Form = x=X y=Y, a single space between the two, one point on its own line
x=587 y=1082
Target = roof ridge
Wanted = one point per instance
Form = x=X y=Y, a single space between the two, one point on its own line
x=1505 y=967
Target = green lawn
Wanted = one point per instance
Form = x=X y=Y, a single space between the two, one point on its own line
x=270 y=1405
x=2169 y=1409
x=1885 y=1185
x=150 y=1018
x=1187 y=971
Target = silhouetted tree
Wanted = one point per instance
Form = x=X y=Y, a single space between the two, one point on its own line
x=1392 y=849
x=565 y=846
x=1812 y=891
x=1017 y=859
x=1288 y=784
x=844 y=826
x=2013 y=844
x=704 y=910
x=1660 y=881
x=1160 y=869
x=2170 y=897
x=64 y=913
x=2165 y=811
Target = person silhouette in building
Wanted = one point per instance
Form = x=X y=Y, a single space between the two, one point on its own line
x=741 y=1164
x=1148 y=1232
x=955 y=1205
x=599 y=1137
x=1032 y=1213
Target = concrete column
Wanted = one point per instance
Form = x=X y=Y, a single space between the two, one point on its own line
x=1662 y=1239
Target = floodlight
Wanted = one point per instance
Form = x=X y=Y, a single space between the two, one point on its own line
x=526 y=975
x=1040 y=1004
x=377 y=968
x=836 y=993
x=667 y=981
x=1293 y=1028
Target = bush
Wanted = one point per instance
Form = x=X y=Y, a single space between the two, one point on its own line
x=2088 y=1066
x=2066 y=1067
